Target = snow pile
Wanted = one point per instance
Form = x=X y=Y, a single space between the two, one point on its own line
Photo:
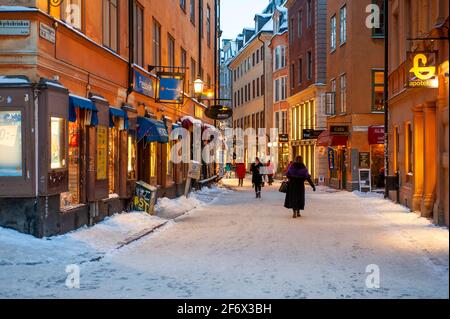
x=172 y=208
x=113 y=230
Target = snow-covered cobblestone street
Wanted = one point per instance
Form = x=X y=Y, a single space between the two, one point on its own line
x=231 y=245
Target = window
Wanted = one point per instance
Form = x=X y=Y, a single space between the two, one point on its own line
x=277 y=122
x=280 y=89
x=113 y=157
x=377 y=91
x=396 y=148
x=310 y=65
x=379 y=32
x=409 y=148
x=110 y=24
x=292 y=75
x=263 y=85
x=138 y=34
x=156 y=34
x=283 y=122
x=183 y=58
x=254 y=88
x=71 y=12
x=343 y=25
x=308 y=13
x=283 y=88
x=57 y=142
x=257 y=87
x=183 y=5
x=257 y=57
x=280 y=57
x=11 y=143
x=343 y=91
x=300 y=23
x=333 y=33
x=208 y=25
x=276 y=88
x=300 y=71
x=330 y=99
x=253 y=59
x=170 y=50
x=192 y=11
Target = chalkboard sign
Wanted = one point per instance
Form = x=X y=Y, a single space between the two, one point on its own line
x=365 y=184
x=145 y=197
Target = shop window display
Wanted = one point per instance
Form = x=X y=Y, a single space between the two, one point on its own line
x=113 y=147
x=11 y=144
x=58 y=143
x=131 y=167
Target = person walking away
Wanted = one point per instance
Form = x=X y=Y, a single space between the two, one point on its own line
x=240 y=173
x=256 y=176
x=270 y=172
x=228 y=171
x=295 y=196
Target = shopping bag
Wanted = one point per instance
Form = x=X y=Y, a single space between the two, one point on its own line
x=284 y=187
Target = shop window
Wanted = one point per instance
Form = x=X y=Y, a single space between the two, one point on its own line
x=153 y=160
x=113 y=149
x=73 y=196
x=58 y=143
x=396 y=149
x=102 y=153
x=377 y=91
x=131 y=167
x=11 y=143
x=169 y=164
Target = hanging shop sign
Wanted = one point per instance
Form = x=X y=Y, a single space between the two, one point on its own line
x=339 y=130
x=144 y=84
x=15 y=27
x=170 y=88
x=330 y=158
x=421 y=68
x=46 y=32
x=311 y=134
x=376 y=135
x=364 y=160
x=144 y=198
x=283 y=138
x=219 y=112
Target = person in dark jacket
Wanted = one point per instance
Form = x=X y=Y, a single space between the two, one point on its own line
x=295 y=196
x=256 y=177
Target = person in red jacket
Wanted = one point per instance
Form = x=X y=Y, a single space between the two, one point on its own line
x=240 y=173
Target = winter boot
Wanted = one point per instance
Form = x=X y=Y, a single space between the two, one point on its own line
x=298 y=214
x=295 y=214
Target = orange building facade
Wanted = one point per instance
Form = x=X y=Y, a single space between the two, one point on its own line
x=82 y=89
x=418 y=114
x=354 y=96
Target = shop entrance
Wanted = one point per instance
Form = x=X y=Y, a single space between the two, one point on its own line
x=377 y=165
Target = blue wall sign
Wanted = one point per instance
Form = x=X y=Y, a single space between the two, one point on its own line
x=171 y=89
x=144 y=84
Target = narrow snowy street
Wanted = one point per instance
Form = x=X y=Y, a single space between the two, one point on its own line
x=231 y=245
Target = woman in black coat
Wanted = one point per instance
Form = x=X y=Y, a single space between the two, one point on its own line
x=295 y=196
x=256 y=177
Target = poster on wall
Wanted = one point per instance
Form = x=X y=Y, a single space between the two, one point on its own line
x=364 y=159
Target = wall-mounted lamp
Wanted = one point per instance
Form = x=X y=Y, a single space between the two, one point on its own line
x=199 y=85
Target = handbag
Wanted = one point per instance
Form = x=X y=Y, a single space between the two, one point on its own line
x=284 y=187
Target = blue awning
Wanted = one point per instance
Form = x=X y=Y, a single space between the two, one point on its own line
x=152 y=130
x=84 y=104
x=117 y=113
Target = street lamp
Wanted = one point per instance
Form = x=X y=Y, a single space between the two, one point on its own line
x=198 y=87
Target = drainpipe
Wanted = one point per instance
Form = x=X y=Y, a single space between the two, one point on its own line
x=200 y=27
x=130 y=47
x=386 y=96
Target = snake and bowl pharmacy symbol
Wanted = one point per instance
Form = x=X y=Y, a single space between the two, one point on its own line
x=56 y=3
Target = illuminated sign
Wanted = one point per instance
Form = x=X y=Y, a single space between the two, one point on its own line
x=421 y=68
x=170 y=88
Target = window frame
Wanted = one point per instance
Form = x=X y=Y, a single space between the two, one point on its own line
x=374 y=85
x=333 y=33
x=343 y=25
x=107 y=25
